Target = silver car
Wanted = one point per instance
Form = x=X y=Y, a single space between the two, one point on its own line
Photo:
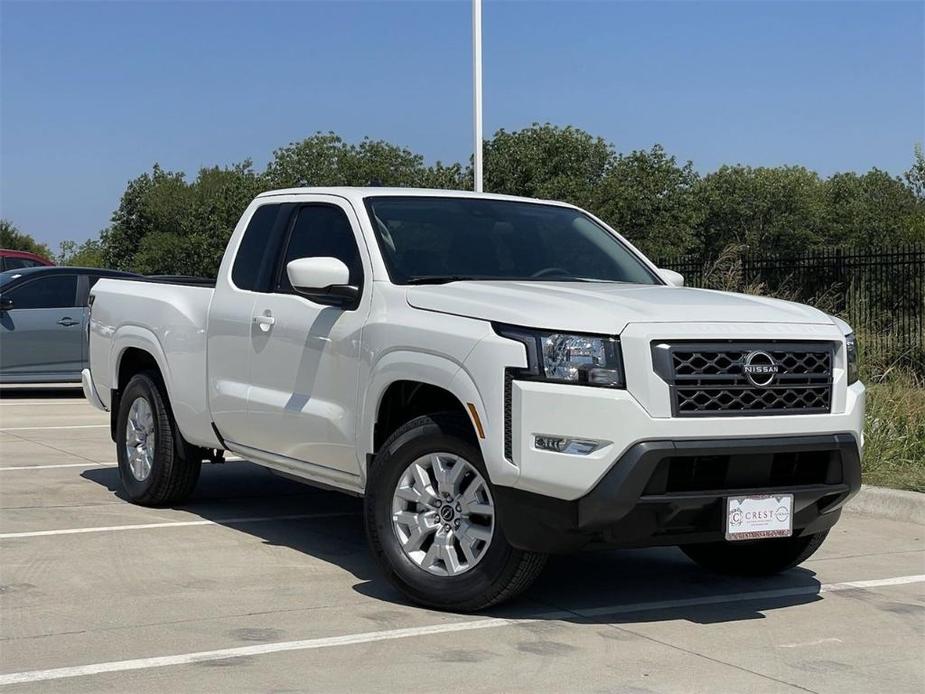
x=43 y=322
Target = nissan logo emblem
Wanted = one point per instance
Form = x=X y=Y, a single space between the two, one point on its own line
x=760 y=368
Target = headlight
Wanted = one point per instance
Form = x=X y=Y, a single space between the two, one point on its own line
x=590 y=360
x=851 y=351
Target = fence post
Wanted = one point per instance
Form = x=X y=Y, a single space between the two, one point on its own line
x=842 y=301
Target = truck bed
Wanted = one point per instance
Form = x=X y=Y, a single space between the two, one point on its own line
x=163 y=316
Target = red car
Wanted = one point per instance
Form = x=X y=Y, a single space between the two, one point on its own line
x=14 y=260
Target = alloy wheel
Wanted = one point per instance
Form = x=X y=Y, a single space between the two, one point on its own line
x=443 y=514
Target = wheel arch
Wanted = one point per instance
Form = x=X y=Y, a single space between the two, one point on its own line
x=135 y=348
x=185 y=391
x=433 y=383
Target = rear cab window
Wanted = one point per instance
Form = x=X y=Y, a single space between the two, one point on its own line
x=256 y=255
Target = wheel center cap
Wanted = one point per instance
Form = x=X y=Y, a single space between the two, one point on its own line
x=447 y=512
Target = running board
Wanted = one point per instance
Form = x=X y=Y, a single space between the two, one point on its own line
x=317 y=475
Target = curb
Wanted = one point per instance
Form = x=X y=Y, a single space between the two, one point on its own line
x=894 y=504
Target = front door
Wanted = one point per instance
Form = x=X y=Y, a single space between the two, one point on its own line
x=305 y=355
x=42 y=332
x=230 y=317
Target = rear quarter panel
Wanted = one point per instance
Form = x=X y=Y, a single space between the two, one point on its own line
x=169 y=322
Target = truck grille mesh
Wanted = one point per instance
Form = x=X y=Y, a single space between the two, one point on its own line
x=711 y=379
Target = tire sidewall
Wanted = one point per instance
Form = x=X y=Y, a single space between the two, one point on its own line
x=144 y=386
x=431 y=436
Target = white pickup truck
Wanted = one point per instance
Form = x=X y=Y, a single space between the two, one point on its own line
x=499 y=378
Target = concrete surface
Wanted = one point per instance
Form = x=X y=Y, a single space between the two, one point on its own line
x=889 y=503
x=261 y=584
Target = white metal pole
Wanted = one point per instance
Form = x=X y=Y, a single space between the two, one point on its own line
x=477 y=91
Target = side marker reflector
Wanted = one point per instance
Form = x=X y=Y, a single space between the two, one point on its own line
x=475 y=418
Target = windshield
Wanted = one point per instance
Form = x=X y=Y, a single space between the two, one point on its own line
x=8 y=276
x=430 y=239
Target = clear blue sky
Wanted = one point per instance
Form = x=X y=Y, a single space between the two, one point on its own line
x=94 y=93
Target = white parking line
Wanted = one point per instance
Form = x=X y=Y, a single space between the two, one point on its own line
x=46 y=401
x=171 y=524
x=48 y=467
x=70 y=426
x=393 y=634
x=86 y=464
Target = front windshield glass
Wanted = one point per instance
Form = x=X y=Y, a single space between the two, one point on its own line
x=8 y=276
x=431 y=239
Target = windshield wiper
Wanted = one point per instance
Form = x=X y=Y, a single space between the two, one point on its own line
x=442 y=279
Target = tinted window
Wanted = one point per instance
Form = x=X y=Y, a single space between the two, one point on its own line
x=255 y=253
x=58 y=291
x=428 y=238
x=6 y=277
x=17 y=263
x=322 y=231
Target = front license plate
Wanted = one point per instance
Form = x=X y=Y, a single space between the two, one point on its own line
x=754 y=517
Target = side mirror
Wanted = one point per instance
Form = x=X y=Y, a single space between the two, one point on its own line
x=6 y=303
x=675 y=279
x=323 y=280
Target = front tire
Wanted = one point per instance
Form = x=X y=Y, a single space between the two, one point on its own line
x=431 y=520
x=756 y=557
x=155 y=465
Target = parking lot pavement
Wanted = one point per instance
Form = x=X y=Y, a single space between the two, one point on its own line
x=262 y=584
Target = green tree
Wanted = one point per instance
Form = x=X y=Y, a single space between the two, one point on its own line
x=649 y=198
x=149 y=203
x=547 y=161
x=90 y=253
x=165 y=225
x=872 y=209
x=13 y=239
x=778 y=209
x=915 y=176
x=447 y=177
x=324 y=159
x=169 y=253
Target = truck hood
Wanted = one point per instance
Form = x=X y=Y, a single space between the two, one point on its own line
x=605 y=307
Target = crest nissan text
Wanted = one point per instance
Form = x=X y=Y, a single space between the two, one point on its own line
x=500 y=378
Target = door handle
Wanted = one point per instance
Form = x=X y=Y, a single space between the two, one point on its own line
x=265 y=322
x=67 y=322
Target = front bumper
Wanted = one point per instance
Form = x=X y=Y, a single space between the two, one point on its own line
x=673 y=492
x=618 y=420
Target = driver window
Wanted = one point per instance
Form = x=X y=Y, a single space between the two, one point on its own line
x=321 y=231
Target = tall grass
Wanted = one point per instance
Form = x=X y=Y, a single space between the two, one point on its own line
x=894 y=451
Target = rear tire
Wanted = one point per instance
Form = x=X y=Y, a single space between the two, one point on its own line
x=757 y=557
x=153 y=474
x=490 y=570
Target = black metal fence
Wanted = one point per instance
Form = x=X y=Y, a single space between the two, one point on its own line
x=880 y=292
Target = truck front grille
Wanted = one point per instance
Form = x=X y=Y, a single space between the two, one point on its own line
x=738 y=378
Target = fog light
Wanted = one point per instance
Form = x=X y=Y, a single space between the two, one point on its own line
x=560 y=444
